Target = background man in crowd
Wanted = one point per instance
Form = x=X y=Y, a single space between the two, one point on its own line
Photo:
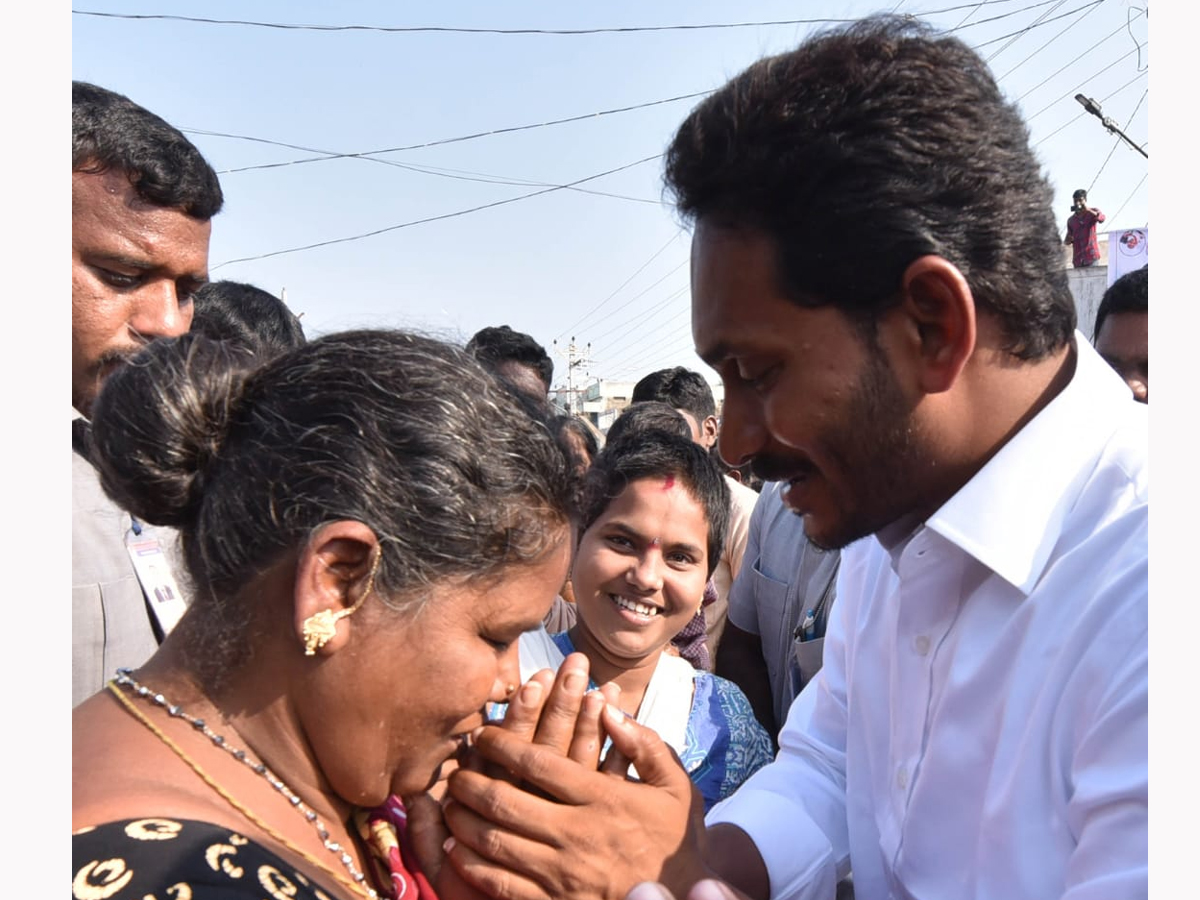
x=689 y=393
x=914 y=378
x=1122 y=333
x=141 y=200
x=516 y=357
x=249 y=317
x=1081 y=231
x=779 y=609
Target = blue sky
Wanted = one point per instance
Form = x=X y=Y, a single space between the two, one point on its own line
x=607 y=268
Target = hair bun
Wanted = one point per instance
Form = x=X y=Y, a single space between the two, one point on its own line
x=159 y=423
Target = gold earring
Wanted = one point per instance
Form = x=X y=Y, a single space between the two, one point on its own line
x=320 y=627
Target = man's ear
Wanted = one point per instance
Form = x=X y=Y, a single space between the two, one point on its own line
x=333 y=573
x=940 y=310
x=708 y=429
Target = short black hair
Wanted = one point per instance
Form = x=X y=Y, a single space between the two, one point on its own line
x=110 y=131
x=653 y=453
x=494 y=345
x=247 y=317
x=648 y=415
x=866 y=148
x=1128 y=294
x=1079 y=193
x=680 y=388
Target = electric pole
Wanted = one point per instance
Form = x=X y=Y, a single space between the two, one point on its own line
x=575 y=357
x=1094 y=108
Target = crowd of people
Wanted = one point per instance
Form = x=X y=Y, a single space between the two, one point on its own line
x=362 y=615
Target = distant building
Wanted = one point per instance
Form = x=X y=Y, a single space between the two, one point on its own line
x=1087 y=287
x=599 y=402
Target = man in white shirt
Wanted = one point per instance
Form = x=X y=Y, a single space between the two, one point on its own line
x=875 y=276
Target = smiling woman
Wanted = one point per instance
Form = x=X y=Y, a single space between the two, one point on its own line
x=370 y=522
x=655 y=513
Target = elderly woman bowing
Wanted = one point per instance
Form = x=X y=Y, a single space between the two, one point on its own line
x=370 y=522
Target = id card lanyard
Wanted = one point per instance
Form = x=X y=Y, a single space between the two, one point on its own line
x=155 y=576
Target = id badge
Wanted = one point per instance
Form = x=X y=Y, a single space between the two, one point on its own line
x=154 y=575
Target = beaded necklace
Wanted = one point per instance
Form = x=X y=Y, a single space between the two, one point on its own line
x=124 y=678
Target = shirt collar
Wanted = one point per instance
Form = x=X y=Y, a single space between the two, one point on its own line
x=1010 y=515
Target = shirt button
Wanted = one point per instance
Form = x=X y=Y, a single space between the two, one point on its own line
x=902 y=778
x=921 y=645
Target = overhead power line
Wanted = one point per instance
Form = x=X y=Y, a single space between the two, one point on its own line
x=620 y=287
x=974 y=10
x=1072 y=62
x=1032 y=24
x=638 y=360
x=1104 y=99
x=1071 y=93
x=485 y=178
x=444 y=29
x=633 y=354
x=1120 y=138
x=481 y=177
x=643 y=315
x=370 y=154
x=329 y=154
x=438 y=218
x=1028 y=28
x=1121 y=208
x=1052 y=40
x=1129 y=26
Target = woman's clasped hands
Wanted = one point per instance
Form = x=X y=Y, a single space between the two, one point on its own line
x=539 y=810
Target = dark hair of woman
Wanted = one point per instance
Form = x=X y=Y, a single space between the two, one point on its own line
x=403 y=433
x=369 y=522
x=655 y=453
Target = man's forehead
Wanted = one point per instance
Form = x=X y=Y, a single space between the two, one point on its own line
x=731 y=267
x=1124 y=331
x=109 y=219
x=112 y=189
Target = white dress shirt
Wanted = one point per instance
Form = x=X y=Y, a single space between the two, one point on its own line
x=979 y=727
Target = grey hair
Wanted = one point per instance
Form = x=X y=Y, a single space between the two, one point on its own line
x=404 y=433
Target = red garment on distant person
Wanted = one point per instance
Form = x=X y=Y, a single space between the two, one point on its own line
x=1081 y=232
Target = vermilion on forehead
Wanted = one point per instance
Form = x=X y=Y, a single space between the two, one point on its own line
x=668 y=482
